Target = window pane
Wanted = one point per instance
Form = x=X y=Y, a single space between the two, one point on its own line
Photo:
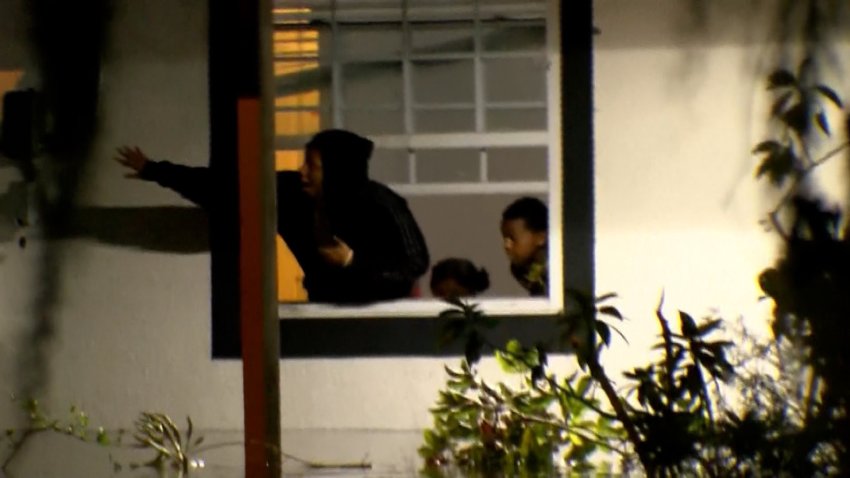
x=291 y=123
x=367 y=42
x=447 y=165
x=439 y=10
x=390 y=166
x=449 y=81
x=444 y=121
x=515 y=79
x=516 y=119
x=514 y=36
x=300 y=77
x=372 y=84
x=434 y=38
x=374 y=122
x=517 y=164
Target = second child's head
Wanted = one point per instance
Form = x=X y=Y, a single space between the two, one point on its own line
x=452 y=278
x=525 y=230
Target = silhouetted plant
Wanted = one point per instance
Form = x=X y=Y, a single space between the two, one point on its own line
x=674 y=420
x=75 y=425
x=173 y=449
x=503 y=430
x=810 y=288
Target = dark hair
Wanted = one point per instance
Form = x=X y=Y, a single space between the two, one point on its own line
x=345 y=155
x=532 y=210
x=467 y=275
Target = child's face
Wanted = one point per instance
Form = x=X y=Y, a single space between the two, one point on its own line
x=449 y=288
x=520 y=242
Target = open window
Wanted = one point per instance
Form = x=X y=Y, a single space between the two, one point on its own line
x=462 y=100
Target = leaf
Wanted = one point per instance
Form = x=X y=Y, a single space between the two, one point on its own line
x=190 y=429
x=472 y=351
x=797 y=118
x=514 y=347
x=430 y=438
x=102 y=437
x=687 y=324
x=538 y=373
x=706 y=360
x=777 y=167
x=769 y=146
x=583 y=385
x=604 y=332
x=507 y=362
x=582 y=362
x=604 y=297
x=612 y=311
x=694 y=380
x=450 y=314
x=458 y=385
x=823 y=123
x=831 y=95
x=780 y=78
x=709 y=327
x=780 y=104
x=622 y=336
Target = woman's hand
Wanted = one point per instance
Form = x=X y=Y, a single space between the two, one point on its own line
x=133 y=159
x=337 y=254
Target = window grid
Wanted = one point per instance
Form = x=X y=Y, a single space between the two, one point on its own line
x=407 y=88
x=478 y=71
x=444 y=56
x=336 y=70
x=412 y=138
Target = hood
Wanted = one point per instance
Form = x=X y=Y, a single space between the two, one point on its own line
x=345 y=159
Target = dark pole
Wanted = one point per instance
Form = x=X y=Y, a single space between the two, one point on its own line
x=577 y=140
x=240 y=81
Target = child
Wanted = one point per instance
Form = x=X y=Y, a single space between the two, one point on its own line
x=525 y=231
x=453 y=278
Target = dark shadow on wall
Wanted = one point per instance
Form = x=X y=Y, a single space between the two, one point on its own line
x=168 y=229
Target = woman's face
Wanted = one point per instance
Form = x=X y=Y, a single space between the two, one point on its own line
x=312 y=174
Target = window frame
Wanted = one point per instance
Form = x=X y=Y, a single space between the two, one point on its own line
x=412 y=140
x=362 y=335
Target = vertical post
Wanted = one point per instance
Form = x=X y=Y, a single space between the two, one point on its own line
x=577 y=145
x=257 y=275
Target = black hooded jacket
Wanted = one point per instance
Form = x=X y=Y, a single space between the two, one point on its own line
x=389 y=250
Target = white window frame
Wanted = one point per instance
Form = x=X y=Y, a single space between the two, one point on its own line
x=550 y=138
